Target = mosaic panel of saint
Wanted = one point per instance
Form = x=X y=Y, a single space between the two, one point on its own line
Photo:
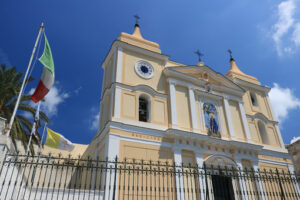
x=211 y=119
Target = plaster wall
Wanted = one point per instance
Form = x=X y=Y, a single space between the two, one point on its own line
x=157 y=106
x=236 y=120
x=145 y=152
x=130 y=77
x=254 y=132
x=223 y=122
x=262 y=103
x=182 y=107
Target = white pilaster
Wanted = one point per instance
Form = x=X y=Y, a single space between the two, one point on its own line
x=117 y=106
x=112 y=146
x=279 y=136
x=202 y=185
x=243 y=186
x=114 y=66
x=294 y=179
x=111 y=105
x=271 y=108
x=119 y=65
x=275 y=119
x=179 y=177
x=201 y=113
x=112 y=151
x=244 y=120
x=173 y=104
x=261 y=191
x=228 y=116
x=193 y=108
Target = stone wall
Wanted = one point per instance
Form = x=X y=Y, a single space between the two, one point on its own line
x=294 y=151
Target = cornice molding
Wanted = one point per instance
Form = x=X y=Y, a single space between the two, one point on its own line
x=180 y=78
x=126 y=46
x=251 y=85
x=262 y=117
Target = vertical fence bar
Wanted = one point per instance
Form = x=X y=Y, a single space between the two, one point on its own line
x=280 y=185
x=115 y=177
x=4 y=179
x=138 y=179
x=17 y=178
x=9 y=180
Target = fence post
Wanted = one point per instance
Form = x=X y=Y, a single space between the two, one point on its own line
x=206 y=182
x=280 y=185
x=115 y=177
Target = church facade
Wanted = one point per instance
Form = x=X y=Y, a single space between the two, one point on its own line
x=153 y=108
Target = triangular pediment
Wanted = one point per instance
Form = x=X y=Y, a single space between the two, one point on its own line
x=207 y=75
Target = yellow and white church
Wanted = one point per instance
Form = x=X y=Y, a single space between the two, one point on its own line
x=153 y=108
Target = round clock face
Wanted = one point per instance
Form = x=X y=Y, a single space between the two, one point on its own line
x=144 y=69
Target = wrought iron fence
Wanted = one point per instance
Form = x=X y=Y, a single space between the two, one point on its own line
x=48 y=177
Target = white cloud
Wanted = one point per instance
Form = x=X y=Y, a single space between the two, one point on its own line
x=296 y=34
x=283 y=100
x=77 y=90
x=94 y=121
x=4 y=58
x=295 y=139
x=286 y=31
x=52 y=100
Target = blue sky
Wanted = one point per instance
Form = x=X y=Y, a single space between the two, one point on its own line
x=264 y=37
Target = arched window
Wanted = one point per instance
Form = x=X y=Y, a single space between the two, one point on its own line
x=144 y=108
x=263 y=132
x=253 y=99
x=211 y=119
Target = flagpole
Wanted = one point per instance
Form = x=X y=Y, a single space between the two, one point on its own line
x=42 y=137
x=24 y=80
x=34 y=127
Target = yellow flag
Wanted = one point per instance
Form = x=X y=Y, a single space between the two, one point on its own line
x=58 y=141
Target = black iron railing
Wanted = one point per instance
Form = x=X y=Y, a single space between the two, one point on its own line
x=48 y=177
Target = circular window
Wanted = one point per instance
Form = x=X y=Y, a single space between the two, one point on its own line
x=144 y=69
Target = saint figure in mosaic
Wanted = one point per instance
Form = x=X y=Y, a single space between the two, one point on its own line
x=211 y=119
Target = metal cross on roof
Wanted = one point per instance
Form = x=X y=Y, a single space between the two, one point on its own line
x=199 y=54
x=230 y=53
x=136 y=19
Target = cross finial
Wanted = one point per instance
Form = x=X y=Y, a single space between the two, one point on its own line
x=230 y=53
x=199 y=55
x=136 y=19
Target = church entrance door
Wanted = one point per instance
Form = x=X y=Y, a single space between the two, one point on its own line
x=222 y=187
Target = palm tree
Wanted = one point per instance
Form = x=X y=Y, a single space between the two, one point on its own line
x=10 y=85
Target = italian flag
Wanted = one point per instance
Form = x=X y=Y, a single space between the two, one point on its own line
x=47 y=79
x=58 y=141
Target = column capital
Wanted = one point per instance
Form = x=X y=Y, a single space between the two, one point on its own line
x=191 y=87
x=120 y=48
x=226 y=97
x=171 y=81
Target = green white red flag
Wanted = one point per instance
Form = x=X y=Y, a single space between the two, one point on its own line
x=47 y=79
